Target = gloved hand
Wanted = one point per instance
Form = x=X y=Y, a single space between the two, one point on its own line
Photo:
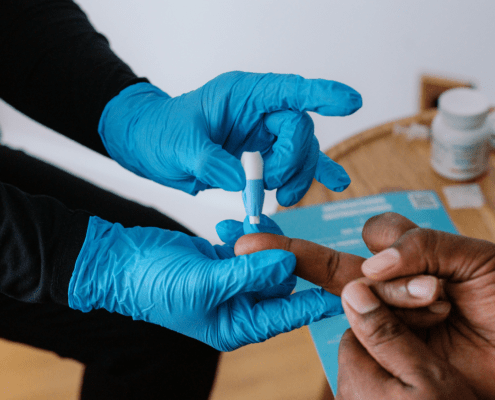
x=194 y=142
x=230 y=231
x=187 y=285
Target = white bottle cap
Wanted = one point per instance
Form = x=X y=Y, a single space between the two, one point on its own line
x=464 y=108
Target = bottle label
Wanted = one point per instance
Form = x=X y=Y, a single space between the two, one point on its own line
x=458 y=161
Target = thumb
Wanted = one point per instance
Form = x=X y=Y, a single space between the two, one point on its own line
x=331 y=174
x=216 y=167
x=229 y=231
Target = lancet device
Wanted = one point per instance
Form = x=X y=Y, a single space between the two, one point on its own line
x=253 y=194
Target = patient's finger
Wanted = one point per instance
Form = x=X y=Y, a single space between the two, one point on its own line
x=409 y=292
x=333 y=270
x=424 y=317
x=382 y=231
x=318 y=264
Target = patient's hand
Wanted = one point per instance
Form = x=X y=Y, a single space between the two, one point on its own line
x=453 y=357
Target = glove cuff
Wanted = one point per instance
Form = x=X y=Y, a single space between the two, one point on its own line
x=88 y=271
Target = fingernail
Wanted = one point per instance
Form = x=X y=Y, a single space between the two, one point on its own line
x=440 y=307
x=422 y=287
x=360 y=297
x=380 y=262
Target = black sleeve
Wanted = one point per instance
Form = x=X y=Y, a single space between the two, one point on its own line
x=40 y=240
x=56 y=69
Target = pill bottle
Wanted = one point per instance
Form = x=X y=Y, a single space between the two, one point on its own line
x=460 y=135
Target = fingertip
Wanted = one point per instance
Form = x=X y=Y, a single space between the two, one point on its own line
x=252 y=243
x=355 y=101
x=342 y=100
x=339 y=189
x=288 y=198
x=425 y=287
x=440 y=307
x=380 y=264
x=360 y=297
x=323 y=305
x=266 y=225
x=333 y=304
x=331 y=174
x=351 y=99
x=245 y=245
x=383 y=230
x=229 y=231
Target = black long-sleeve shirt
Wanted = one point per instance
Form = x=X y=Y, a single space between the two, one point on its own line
x=56 y=69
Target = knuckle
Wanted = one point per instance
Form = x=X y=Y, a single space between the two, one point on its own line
x=288 y=244
x=383 y=330
x=432 y=372
x=420 y=244
x=392 y=292
x=347 y=339
x=418 y=237
x=435 y=380
x=332 y=265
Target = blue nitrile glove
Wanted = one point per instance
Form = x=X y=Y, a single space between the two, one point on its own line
x=194 y=142
x=229 y=231
x=185 y=284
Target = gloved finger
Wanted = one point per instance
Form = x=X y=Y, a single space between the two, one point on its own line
x=383 y=230
x=224 y=252
x=266 y=225
x=217 y=168
x=297 y=186
x=424 y=317
x=204 y=247
x=332 y=175
x=282 y=290
x=292 y=92
x=385 y=337
x=274 y=316
x=294 y=131
x=315 y=263
x=229 y=231
x=249 y=273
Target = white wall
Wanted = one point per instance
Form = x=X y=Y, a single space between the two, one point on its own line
x=378 y=47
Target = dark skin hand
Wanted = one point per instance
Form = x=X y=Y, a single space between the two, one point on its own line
x=452 y=356
x=455 y=353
